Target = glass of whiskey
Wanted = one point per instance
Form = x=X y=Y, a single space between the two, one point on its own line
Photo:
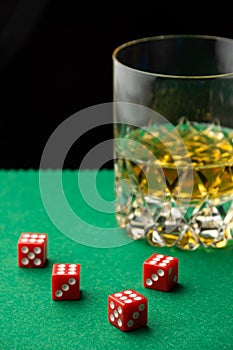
x=173 y=140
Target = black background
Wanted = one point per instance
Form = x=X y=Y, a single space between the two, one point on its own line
x=56 y=59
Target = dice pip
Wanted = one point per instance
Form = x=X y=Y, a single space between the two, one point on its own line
x=127 y=310
x=66 y=282
x=160 y=272
x=32 y=249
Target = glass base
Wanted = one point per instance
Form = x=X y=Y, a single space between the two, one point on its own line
x=208 y=226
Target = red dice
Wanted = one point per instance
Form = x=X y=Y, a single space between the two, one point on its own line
x=127 y=310
x=32 y=249
x=66 y=282
x=160 y=272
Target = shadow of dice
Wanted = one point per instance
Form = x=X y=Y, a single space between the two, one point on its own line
x=127 y=310
x=32 y=249
x=160 y=272
x=66 y=282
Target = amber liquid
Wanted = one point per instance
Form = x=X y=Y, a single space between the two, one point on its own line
x=188 y=164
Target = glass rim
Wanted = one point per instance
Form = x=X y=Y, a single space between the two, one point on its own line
x=174 y=36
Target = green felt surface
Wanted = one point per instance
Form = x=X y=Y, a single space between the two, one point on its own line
x=197 y=314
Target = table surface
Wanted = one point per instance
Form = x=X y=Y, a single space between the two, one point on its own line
x=197 y=314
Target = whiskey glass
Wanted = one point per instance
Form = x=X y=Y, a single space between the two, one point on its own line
x=173 y=140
